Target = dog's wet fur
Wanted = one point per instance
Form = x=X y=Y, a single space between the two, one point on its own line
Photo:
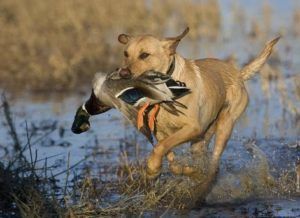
x=217 y=100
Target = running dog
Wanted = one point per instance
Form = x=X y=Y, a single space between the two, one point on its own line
x=217 y=99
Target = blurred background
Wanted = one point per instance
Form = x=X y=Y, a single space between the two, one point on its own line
x=51 y=49
x=57 y=45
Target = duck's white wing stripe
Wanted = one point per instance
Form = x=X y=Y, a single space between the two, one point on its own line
x=177 y=87
x=139 y=101
x=124 y=90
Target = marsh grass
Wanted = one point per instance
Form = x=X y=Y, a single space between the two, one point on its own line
x=28 y=187
x=27 y=190
x=54 y=45
x=131 y=193
x=135 y=195
x=23 y=191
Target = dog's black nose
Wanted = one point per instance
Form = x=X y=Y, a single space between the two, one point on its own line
x=125 y=73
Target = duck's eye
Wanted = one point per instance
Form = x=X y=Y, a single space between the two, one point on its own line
x=144 y=55
x=126 y=54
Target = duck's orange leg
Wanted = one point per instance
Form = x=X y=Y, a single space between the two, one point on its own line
x=151 y=117
x=140 y=117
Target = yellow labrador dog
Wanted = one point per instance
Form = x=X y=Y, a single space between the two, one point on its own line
x=218 y=98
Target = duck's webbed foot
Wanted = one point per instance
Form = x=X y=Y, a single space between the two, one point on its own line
x=140 y=117
x=152 y=117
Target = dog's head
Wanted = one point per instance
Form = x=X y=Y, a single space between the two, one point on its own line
x=145 y=52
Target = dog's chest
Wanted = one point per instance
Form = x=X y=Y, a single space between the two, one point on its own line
x=167 y=124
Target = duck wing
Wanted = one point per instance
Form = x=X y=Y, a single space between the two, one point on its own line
x=155 y=92
x=177 y=88
x=128 y=111
x=130 y=95
x=156 y=79
x=166 y=90
x=155 y=86
x=153 y=77
x=170 y=107
x=162 y=88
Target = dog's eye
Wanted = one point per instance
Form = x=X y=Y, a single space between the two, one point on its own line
x=126 y=54
x=144 y=55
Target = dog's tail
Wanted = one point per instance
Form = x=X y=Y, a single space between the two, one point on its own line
x=255 y=65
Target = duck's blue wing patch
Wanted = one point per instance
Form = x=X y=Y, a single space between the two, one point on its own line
x=131 y=96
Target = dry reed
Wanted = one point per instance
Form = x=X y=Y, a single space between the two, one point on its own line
x=61 y=44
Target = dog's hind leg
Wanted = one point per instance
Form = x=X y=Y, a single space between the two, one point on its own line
x=238 y=99
x=199 y=146
x=224 y=128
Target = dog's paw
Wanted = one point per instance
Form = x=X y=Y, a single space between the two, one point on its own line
x=154 y=164
x=175 y=168
x=152 y=174
x=178 y=168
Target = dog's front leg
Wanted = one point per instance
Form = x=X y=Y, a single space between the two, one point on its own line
x=199 y=147
x=186 y=133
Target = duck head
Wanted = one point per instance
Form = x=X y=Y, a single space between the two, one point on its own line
x=93 y=106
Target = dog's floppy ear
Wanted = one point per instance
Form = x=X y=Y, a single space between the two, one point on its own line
x=171 y=43
x=123 y=38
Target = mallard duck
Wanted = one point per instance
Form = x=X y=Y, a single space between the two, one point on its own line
x=151 y=88
x=131 y=96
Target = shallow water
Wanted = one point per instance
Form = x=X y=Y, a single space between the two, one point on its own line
x=266 y=126
x=264 y=146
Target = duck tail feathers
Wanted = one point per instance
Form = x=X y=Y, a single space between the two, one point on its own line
x=170 y=107
x=177 y=103
x=179 y=91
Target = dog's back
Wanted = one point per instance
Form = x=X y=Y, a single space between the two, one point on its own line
x=215 y=67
